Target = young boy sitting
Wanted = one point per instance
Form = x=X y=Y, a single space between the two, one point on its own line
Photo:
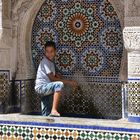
x=48 y=83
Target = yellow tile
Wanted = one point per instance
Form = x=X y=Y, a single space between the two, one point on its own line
x=66 y=133
x=59 y=133
x=43 y=132
x=34 y=132
x=12 y=138
x=75 y=134
x=4 y=138
x=51 y=132
x=134 y=137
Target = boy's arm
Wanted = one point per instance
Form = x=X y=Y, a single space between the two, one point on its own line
x=53 y=78
x=58 y=75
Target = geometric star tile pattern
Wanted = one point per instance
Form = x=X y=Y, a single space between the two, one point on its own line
x=87 y=34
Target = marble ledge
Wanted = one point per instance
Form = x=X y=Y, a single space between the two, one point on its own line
x=122 y=123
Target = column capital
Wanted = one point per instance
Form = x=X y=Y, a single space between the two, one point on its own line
x=131 y=37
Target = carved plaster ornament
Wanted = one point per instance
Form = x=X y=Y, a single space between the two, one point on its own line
x=132 y=38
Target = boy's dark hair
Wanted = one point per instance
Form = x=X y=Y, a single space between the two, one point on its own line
x=50 y=43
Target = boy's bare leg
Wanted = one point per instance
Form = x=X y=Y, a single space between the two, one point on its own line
x=56 y=98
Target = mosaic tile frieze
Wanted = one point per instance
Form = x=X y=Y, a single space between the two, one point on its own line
x=20 y=132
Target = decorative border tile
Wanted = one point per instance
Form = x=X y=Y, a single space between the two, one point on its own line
x=70 y=126
x=35 y=130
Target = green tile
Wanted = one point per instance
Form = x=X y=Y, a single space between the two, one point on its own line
x=12 y=129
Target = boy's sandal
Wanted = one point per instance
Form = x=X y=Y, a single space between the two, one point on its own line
x=54 y=115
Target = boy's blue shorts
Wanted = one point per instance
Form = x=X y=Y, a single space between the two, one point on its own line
x=50 y=88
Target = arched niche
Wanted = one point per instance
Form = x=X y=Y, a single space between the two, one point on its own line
x=24 y=14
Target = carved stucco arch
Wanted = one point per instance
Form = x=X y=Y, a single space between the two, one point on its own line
x=24 y=13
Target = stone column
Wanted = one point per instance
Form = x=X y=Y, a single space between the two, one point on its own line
x=132 y=44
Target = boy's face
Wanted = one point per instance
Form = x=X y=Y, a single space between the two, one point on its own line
x=50 y=52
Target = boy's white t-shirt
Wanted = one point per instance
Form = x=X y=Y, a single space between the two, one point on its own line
x=45 y=67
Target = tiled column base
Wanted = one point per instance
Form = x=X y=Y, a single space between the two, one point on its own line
x=134 y=100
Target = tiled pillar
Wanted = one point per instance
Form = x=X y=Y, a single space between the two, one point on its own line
x=132 y=44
